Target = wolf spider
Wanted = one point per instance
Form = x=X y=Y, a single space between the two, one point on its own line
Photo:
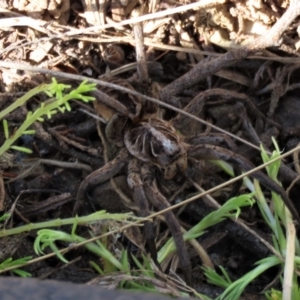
x=148 y=144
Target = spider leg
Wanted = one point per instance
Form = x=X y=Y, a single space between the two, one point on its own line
x=209 y=151
x=160 y=202
x=136 y=184
x=114 y=129
x=212 y=139
x=101 y=175
x=222 y=96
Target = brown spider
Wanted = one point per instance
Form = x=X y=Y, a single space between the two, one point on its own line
x=150 y=142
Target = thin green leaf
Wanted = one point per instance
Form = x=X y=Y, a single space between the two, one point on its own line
x=96 y=267
x=5 y=129
x=22 y=149
x=31 y=131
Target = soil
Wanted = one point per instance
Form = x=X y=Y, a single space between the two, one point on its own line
x=245 y=89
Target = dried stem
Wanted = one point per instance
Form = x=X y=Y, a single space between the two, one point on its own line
x=208 y=67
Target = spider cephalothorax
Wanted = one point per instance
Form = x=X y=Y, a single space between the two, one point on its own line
x=157 y=142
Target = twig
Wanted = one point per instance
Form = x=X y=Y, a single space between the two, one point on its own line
x=209 y=67
x=143 y=76
x=57 y=74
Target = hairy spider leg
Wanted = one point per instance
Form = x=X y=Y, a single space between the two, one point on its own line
x=160 y=202
x=135 y=183
x=99 y=176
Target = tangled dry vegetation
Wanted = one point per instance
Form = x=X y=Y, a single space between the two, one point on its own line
x=225 y=73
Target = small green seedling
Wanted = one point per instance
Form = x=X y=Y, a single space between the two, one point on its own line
x=58 y=102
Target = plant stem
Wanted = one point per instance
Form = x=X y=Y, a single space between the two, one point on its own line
x=23 y=99
x=96 y=217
